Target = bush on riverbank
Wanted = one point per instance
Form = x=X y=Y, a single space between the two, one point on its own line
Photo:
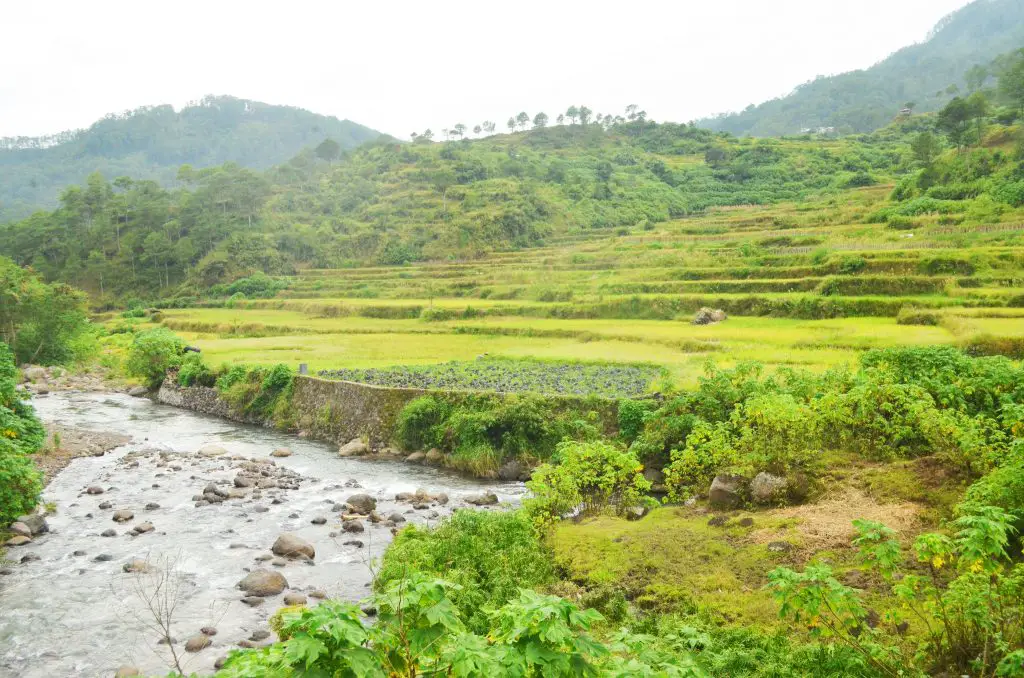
x=21 y=434
x=261 y=392
x=479 y=433
x=152 y=353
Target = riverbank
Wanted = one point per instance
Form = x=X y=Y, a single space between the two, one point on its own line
x=203 y=501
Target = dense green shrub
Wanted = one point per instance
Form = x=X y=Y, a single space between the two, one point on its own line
x=194 y=372
x=481 y=432
x=263 y=393
x=152 y=353
x=918 y=316
x=590 y=478
x=21 y=434
x=632 y=414
x=490 y=555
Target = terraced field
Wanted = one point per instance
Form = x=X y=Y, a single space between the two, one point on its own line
x=810 y=285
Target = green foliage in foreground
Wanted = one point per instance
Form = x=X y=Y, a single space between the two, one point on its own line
x=489 y=555
x=421 y=632
x=964 y=588
x=43 y=324
x=21 y=434
x=261 y=392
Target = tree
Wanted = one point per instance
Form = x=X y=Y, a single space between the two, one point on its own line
x=572 y=113
x=1011 y=80
x=540 y=120
x=926 y=148
x=631 y=112
x=459 y=130
x=522 y=120
x=328 y=150
x=978 y=109
x=954 y=120
x=428 y=134
x=476 y=130
x=489 y=126
x=585 y=114
x=511 y=124
x=975 y=78
x=560 y=119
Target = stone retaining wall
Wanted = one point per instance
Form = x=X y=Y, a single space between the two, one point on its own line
x=338 y=411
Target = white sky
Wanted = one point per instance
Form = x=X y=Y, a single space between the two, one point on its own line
x=404 y=66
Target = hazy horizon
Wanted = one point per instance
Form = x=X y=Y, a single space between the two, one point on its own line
x=398 y=71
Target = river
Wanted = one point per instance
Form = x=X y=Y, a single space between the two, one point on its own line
x=82 y=615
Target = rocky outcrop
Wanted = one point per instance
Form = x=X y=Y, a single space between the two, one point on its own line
x=362 y=503
x=767 y=489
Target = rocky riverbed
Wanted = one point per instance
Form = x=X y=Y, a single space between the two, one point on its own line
x=237 y=520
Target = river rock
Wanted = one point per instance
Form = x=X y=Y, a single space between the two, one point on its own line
x=244 y=481
x=35 y=523
x=21 y=529
x=354 y=526
x=138 y=566
x=103 y=558
x=109 y=533
x=353 y=448
x=767 y=489
x=152 y=506
x=263 y=634
x=35 y=373
x=512 y=470
x=281 y=452
x=219 y=664
x=433 y=457
x=263 y=583
x=106 y=505
x=138 y=391
x=142 y=528
x=293 y=599
x=252 y=601
x=396 y=517
x=483 y=499
x=416 y=458
x=18 y=540
x=94 y=490
x=709 y=316
x=29 y=558
x=362 y=503
x=123 y=516
x=211 y=451
x=197 y=643
x=293 y=546
x=727 y=491
x=126 y=671
x=208 y=631
x=319 y=520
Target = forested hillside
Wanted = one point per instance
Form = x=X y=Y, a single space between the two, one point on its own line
x=922 y=76
x=391 y=203
x=152 y=142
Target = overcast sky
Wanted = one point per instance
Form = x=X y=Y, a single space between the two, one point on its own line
x=404 y=66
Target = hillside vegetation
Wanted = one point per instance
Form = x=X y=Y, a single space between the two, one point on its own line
x=151 y=143
x=921 y=76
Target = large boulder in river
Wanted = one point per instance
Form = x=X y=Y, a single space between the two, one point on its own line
x=263 y=583
x=728 y=491
x=292 y=546
x=353 y=448
x=282 y=452
x=513 y=470
x=35 y=523
x=211 y=451
x=433 y=457
x=362 y=503
x=21 y=530
x=482 y=499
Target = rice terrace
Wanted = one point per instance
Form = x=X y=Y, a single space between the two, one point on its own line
x=589 y=393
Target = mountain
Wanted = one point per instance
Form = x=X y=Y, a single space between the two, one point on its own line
x=862 y=101
x=154 y=141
